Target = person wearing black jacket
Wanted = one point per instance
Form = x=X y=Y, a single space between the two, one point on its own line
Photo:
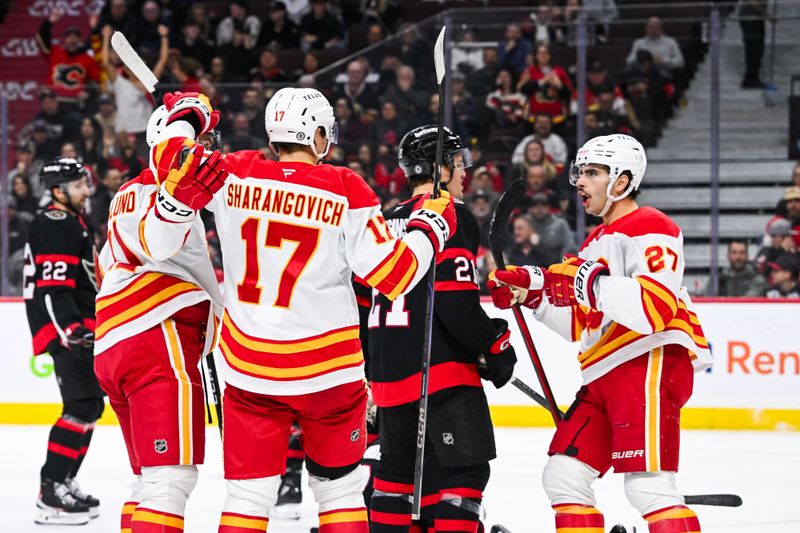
x=466 y=346
x=59 y=288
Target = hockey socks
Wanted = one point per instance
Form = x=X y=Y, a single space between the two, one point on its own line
x=241 y=523
x=87 y=439
x=575 y=518
x=459 y=509
x=126 y=515
x=390 y=507
x=146 y=520
x=676 y=519
x=67 y=438
x=353 y=520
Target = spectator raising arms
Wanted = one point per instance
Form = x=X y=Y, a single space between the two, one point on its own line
x=134 y=103
x=71 y=68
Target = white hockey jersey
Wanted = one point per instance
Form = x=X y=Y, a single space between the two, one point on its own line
x=292 y=235
x=151 y=268
x=641 y=304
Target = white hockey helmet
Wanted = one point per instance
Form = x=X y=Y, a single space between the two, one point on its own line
x=155 y=125
x=293 y=116
x=620 y=153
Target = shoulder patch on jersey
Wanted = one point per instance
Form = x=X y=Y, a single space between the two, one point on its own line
x=359 y=194
x=644 y=221
x=55 y=214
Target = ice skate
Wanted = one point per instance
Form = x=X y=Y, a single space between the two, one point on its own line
x=290 y=496
x=87 y=499
x=56 y=505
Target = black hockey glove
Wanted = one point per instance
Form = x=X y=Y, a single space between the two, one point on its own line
x=500 y=356
x=79 y=337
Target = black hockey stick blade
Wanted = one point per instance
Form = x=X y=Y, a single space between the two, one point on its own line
x=497 y=228
x=718 y=500
x=528 y=391
x=216 y=392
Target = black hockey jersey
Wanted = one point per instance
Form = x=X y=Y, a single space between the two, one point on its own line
x=461 y=329
x=59 y=284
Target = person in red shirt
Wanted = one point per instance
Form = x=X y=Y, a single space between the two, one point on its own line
x=71 y=68
x=547 y=86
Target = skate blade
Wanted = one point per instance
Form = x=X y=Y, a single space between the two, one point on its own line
x=46 y=515
x=287 y=511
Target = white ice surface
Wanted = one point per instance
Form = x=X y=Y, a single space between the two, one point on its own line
x=762 y=467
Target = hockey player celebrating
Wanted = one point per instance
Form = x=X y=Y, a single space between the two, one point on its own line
x=459 y=426
x=157 y=314
x=640 y=342
x=292 y=233
x=59 y=289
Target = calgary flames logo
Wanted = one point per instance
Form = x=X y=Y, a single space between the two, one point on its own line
x=70 y=76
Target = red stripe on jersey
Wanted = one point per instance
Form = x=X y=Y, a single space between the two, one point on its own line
x=430 y=499
x=43 y=337
x=442 y=376
x=442 y=286
x=130 y=257
x=55 y=282
x=642 y=221
x=337 y=180
x=452 y=253
x=393 y=275
x=363 y=301
x=53 y=258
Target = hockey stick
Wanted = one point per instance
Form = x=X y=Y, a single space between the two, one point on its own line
x=718 y=500
x=532 y=394
x=422 y=420
x=132 y=60
x=497 y=230
x=213 y=379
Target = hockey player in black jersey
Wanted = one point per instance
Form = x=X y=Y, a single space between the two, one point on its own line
x=459 y=431
x=59 y=288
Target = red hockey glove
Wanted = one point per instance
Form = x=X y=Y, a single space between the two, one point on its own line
x=500 y=357
x=571 y=282
x=191 y=186
x=437 y=218
x=194 y=108
x=507 y=295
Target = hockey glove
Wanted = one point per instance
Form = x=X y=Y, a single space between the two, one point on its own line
x=79 y=337
x=436 y=217
x=500 y=356
x=505 y=295
x=194 y=108
x=571 y=282
x=192 y=185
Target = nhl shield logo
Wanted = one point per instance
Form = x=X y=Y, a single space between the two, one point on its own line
x=160 y=445
x=354 y=435
x=448 y=439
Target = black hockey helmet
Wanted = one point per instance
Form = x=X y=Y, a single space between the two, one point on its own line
x=417 y=151
x=61 y=171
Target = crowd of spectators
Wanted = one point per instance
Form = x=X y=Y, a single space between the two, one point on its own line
x=510 y=100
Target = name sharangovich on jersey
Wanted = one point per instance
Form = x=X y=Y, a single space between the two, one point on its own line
x=280 y=201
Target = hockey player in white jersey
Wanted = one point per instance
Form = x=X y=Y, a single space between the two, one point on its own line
x=293 y=232
x=157 y=314
x=640 y=343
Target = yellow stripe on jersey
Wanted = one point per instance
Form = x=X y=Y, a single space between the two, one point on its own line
x=142 y=280
x=405 y=280
x=142 y=515
x=290 y=373
x=258 y=524
x=653 y=409
x=138 y=309
x=184 y=391
x=668 y=514
x=288 y=347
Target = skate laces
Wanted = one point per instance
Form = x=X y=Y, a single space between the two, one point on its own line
x=75 y=489
x=63 y=493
